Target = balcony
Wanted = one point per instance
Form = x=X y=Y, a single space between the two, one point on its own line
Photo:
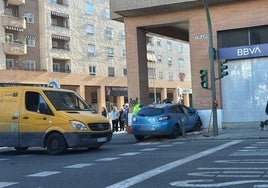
x=16 y=2
x=15 y=48
x=14 y=23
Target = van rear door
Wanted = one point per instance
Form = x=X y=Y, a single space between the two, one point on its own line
x=9 y=116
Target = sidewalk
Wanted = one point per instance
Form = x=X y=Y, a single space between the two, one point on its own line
x=224 y=134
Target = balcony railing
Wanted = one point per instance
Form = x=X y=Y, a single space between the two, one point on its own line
x=16 y=2
x=62 y=70
x=15 y=48
x=14 y=23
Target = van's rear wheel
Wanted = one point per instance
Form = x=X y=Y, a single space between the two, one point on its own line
x=21 y=149
x=56 y=144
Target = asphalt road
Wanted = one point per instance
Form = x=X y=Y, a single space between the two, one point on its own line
x=154 y=163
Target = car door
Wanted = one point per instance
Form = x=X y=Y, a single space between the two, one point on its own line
x=190 y=118
x=35 y=119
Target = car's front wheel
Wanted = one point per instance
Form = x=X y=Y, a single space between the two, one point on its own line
x=175 y=131
x=198 y=124
x=56 y=144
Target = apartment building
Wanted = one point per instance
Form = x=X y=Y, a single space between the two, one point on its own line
x=77 y=45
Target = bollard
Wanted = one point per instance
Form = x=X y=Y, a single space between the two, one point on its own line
x=183 y=126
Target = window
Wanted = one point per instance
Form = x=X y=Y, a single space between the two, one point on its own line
x=151 y=73
x=10 y=63
x=243 y=37
x=56 y=67
x=160 y=75
x=179 y=48
x=109 y=33
x=159 y=58
x=107 y=13
x=181 y=63
x=170 y=61
x=90 y=29
x=169 y=48
x=8 y=11
x=89 y=8
x=29 y=17
x=123 y=35
x=110 y=52
x=158 y=42
x=124 y=53
x=170 y=76
x=92 y=70
x=30 y=42
x=55 y=44
x=34 y=102
x=30 y=64
x=111 y=71
x=9 y=37
x=91 y=50
x=125 y=72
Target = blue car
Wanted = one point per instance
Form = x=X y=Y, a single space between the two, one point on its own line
x=164 y=119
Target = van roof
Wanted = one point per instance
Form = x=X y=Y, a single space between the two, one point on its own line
x=35 y=88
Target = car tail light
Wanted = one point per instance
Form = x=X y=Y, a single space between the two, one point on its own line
x=163 y=118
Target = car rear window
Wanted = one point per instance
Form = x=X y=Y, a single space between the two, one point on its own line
x=151 y=111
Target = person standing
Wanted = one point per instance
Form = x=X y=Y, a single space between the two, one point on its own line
x=114 y=116
x=104 y=112
x=121 y=118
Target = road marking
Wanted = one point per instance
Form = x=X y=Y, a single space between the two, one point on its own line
x=79 y=165
x=44 y=174
x=151 y=173
x=5 y=184
x=108 y=159
x=130 y=154
x=210 y=183
x=244 y=161
x=149 y=149
x=3 y=159
x=165 y=145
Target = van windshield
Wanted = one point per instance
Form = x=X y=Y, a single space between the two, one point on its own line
x=63 y=100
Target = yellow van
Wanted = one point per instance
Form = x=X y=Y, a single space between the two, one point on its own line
x=55 y=119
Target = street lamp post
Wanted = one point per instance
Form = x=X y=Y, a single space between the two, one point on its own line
x=212 y=72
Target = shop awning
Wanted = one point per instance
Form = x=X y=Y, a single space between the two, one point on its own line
x=60 y=14
x=60 y=37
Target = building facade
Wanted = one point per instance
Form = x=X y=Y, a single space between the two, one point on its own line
x=77 y=45
x=239 y=34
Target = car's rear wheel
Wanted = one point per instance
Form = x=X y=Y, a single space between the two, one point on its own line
x=198 y=124
x=139 y=137
x=175 y=131
x=56 y=144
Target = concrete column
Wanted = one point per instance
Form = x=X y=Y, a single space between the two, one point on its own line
x=81 y=91
x=163 y=93
x=120 y=102
x=101 y=97
x=137 y=65
x=175 y=95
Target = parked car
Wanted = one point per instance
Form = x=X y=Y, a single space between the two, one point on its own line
x=164 y=119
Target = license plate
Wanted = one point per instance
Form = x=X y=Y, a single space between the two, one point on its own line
x=103 y=139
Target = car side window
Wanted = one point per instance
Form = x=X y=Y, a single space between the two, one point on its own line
x=34 y=102
x=180 y=110
x=186 y=110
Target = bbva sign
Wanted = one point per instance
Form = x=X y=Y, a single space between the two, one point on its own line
x=243 y=52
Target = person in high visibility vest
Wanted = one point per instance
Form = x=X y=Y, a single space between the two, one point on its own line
x=136 y=109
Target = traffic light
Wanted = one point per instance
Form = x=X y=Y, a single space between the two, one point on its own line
x=222 y=68
x=204 y=78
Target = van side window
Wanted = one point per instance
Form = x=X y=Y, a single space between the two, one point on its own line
x=35 y=103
